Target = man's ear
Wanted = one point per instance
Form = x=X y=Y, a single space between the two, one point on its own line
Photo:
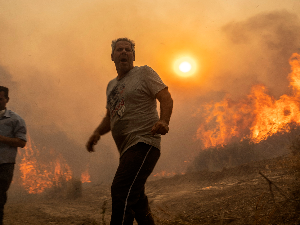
x=111 y=56
x=133 y=56
x=7 y=99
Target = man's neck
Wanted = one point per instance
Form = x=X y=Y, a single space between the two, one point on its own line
x=122 y=74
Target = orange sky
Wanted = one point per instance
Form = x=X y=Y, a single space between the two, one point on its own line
x=57 y=56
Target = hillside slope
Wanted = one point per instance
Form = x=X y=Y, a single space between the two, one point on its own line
x=239 y=195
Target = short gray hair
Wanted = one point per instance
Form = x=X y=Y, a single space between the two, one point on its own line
x=114 y=42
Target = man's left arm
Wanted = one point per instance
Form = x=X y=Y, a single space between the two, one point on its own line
x=166 y=107
x=19 y=138
x=14 y=142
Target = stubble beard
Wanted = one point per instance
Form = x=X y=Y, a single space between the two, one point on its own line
x=123 y=69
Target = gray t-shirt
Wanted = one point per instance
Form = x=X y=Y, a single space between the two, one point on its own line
x=133 y=110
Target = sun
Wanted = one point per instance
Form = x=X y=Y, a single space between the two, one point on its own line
x=185 y=66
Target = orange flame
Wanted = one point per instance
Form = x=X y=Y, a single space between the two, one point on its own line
x=256 y=117
x=85 y=177
x=36 y=177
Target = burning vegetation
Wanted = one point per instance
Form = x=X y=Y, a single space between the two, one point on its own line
x=257 y=127
x=256 y=118
x=44 y=171
x=233 y=133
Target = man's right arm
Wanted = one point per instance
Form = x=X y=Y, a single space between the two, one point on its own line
x=103 y=128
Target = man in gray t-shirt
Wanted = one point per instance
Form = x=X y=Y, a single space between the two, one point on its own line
x=132 y=105
x=132 y=117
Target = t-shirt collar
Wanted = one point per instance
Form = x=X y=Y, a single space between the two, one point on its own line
x=118 y=79
x=4 y=112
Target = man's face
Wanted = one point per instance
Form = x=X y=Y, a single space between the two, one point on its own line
x=123 y=56
x=3 y=100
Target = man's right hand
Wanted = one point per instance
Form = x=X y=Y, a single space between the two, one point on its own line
x=93 y=140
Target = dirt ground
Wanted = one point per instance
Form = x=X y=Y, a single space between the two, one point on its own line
x=239 y=195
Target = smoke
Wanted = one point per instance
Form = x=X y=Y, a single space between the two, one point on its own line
x=6 y=80
x=257 y=52
x=56 y=60
x=48 y=136
x=265 y=42
x=254 y=51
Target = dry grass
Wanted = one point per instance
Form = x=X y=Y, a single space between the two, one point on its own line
x=234 y=195
x=276 y=198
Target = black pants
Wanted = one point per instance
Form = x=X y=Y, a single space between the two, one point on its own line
x=129 y=201
x=6 y=175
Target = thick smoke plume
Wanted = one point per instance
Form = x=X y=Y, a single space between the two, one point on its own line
x=58 y=64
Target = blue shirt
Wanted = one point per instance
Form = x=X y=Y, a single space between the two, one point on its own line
x=12 y=126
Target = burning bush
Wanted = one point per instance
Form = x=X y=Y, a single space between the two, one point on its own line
x=48 y=172
x=257 y=127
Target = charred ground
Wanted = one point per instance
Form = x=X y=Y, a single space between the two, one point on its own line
x=237 y=195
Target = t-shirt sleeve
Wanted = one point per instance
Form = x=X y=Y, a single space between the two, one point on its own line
x=153 y=82
x=20 y=129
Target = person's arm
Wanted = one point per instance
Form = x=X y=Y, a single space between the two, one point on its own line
x=166 y=107
x=14 y=142
x=103 y=128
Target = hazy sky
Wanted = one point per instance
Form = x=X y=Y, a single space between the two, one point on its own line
x=55 y=57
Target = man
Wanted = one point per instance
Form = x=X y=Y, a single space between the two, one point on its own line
x=12 y=136
x=133 y=119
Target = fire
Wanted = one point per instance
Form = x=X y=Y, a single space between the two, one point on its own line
x=295 y=75
x=37 y=175
x=256 y=117
x=85 y=177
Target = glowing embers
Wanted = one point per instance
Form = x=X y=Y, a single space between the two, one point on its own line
x=185 y=66
x=256 y=117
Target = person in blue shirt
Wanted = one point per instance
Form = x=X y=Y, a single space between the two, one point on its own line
x=12 y=136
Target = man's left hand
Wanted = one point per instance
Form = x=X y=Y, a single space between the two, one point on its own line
x=160 y=127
